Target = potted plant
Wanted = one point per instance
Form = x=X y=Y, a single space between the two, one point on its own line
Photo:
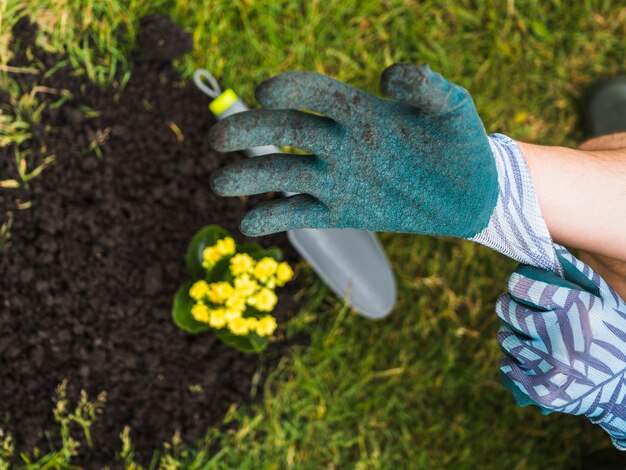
x=232 y=290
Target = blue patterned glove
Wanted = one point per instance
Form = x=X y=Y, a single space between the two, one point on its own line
x=565 y=344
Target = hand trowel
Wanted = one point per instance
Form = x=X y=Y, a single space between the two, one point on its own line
x=351 y=262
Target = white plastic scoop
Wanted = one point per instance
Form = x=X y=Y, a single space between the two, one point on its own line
x=351 y=262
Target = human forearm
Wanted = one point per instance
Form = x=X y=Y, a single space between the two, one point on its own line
x=582 y=195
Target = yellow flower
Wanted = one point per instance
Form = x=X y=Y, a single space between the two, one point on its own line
x=252 y=323
x=231 y=315
x=200 y=312
x=210 y=256
x=241 y=263
x=284 y=273
x=238 y=326
x=236 y=303
x=266 y=326
x=265 y=300
x=198 y=290
x=217 y=318
x=245 y=286
x=265 y=268
x=219 y=292
x=225 y=246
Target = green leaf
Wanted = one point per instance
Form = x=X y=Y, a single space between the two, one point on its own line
x=220 y=272
x=181 y=312
x=251 y=343
x=274 y=252
x=257 y=252
x=253 y=312
x=206 y=236
x=252 y=249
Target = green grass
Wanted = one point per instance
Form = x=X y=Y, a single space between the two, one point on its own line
x=95 y=36
x=524 y=62
x=73 y=419
x=421 y=388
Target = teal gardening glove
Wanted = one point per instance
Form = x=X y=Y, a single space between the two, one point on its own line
x=564 y=341
x=419 y=163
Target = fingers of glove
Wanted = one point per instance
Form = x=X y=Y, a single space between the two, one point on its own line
x=533 y=359
x=520 y=396
x=545 y=389
x=521 y=318
x=299 y=211
x=269 y=173
x=315 y=92
x=510 y=368
x=541 y=332
x=419 y=86
x=259 y=127
x=519 y=347
x=544 y=290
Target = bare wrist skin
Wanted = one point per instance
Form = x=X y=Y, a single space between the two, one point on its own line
x=582 y=195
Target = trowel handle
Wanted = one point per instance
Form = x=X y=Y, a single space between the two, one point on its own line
x=227 y=104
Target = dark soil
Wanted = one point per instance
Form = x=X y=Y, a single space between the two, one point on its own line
x=87 y=280
x=160 y=40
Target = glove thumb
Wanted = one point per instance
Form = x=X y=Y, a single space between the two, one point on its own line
x=419 y=86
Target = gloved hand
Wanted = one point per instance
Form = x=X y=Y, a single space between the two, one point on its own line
x=419 y=163
x=565 y=344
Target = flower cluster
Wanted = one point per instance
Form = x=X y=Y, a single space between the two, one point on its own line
x=212 y=254
x=224 y=304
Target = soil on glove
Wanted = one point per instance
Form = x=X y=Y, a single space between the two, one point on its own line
x=88 y=277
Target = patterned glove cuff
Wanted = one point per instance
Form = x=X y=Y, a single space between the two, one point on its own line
x=517 y=228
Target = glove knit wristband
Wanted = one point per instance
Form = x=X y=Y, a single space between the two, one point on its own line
x=517 y=228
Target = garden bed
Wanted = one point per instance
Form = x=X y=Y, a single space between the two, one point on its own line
x=88 y=276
